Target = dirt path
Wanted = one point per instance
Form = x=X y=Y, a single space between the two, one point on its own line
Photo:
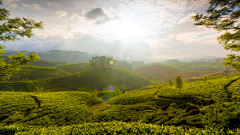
x=37 y=101
x=155 y=94
x=226 y=89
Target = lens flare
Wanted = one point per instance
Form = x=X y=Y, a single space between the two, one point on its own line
x=111 y=88
x=111 y=62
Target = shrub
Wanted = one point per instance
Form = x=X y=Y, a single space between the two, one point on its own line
x=190 y=108
x=205 y=78
x=174 y=105
x=124 y=90
x=170 y=83
x=164 y=107
x=95 y=92
x=117 y=92
x=178 y=82
x=104 y=91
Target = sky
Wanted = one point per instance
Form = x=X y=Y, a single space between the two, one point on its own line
x=149 y=30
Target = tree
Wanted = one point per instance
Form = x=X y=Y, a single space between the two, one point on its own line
x=117 y=92
x=124 y=90
x=178 y=82
x=104 y=91
x=112 y=61
x=227 y=70
x=101 y=62
x=9 y=30
x=95 y=92
x=93 y=62
x=222 y=15
x=104 y=61
x=170 y=83
x=205 y=78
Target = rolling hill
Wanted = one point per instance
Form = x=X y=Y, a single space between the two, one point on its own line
x=192 y=66
x=87 y=80
x=163 y=73
x=78 y=67
x=36 y=72
x=74 y=68
x=100 y=78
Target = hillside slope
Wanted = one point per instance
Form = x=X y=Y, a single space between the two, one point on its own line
x=74 y=68
x=161 y=72
x=192 y=66
x=98 y=79
x=204 y=106
x=78 y=67
x=87 y=80
x=36 y=72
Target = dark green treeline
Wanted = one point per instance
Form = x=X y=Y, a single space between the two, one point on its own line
x=101 y=62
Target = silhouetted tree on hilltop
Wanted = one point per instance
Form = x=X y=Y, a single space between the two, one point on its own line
x=101 y=62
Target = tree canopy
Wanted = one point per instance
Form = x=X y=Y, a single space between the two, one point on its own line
x=223 y=15
x=10 y=29
x=178 y=82
x=170 y=83
x=102 y=62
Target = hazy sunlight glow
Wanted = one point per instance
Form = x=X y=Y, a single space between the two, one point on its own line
x=128 y=28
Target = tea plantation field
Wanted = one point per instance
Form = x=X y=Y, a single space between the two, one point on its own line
x=200 y=107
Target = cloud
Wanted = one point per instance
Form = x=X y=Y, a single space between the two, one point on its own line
x=27 y=5
x=99 y=15
x=182 y=5
x=118 y=48
x=185 y=30
x=11 y=3
x=33 y=6
x=177 y=49
x=168 y=29
x=94 y=13
x=80 y=21
x=36 y=6
x=61 y=13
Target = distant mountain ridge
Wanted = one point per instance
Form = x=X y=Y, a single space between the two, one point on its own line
x=58 y=55
x=67 y=56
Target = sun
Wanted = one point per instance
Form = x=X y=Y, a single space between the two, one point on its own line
x=128 y=28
